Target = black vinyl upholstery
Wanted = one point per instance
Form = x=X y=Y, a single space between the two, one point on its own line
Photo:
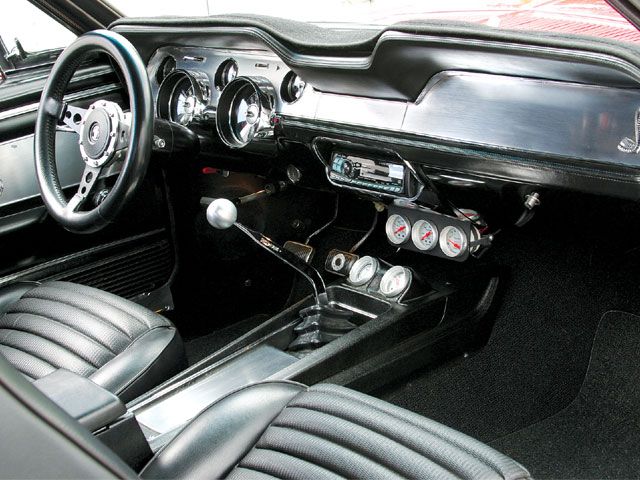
x=286 y=430
x=121 y=346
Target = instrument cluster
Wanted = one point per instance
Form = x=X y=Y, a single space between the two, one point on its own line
x=412 y=227
x=241 y=91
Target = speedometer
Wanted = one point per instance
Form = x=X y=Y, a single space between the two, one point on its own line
x=398 y=229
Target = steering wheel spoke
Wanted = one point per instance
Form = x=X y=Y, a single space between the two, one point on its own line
x=72 y=117
x=108 y=138
x=86 y=187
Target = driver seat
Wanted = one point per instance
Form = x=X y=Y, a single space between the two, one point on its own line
x=121 y=346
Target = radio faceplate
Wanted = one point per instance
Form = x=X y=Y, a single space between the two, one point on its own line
x=367 y=169
x=368 y=173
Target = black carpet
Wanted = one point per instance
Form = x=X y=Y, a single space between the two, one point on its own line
x=527 y=392
x=598 y=434
x=537 y=356
x=201 y=347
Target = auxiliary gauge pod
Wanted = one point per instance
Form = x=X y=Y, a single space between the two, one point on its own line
x=321 y=322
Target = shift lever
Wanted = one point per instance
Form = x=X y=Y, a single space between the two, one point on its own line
x=222 y=214
x=321 y=322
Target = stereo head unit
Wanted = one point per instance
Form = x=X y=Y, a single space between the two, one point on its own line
x=381 y=176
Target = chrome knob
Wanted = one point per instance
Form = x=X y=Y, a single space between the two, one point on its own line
x=222 y=213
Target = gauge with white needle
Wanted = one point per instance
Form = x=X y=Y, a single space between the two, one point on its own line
x=395 y=281
x=398 y=229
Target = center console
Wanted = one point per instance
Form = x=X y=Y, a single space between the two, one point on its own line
x=374 y=317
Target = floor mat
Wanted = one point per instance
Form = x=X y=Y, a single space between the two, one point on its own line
x=598 y=434
x=201 y=347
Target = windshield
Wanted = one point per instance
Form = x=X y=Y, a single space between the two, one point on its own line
x=587 y=17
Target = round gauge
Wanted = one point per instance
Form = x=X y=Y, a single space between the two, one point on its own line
x=182 y=96
x=363 y=270
x=292 y=87
x=453 y=241
x=226 y=73
x=395 y=281
x=424 y=235
x=398 y=229
x=182 y=103
x=245 y=115
x=167 y=66
x=244 y=111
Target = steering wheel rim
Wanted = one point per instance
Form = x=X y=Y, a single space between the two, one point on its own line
x=112 y=134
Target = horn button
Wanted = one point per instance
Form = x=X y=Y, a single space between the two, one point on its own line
x=99 y=132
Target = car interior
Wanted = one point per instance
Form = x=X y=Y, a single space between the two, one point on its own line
x=248 y=246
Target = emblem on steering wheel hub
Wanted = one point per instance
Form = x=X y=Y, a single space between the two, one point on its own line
x=99 y=131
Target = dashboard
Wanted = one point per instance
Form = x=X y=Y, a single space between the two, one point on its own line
x=408 y=114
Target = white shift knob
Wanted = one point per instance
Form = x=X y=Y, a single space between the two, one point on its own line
x=222 y=213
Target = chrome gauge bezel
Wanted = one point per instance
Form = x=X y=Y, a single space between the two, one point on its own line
x=292 y=87
x=390 y=232
x=358 y=265
x=221 y=79
x=199 y=83
x=445 y=247
x=417 y=240
x=389 y=275
x=229 y=102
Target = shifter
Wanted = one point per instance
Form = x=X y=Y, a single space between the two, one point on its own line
x=321 y=322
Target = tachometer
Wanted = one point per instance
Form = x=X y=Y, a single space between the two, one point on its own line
x=395 y=281
x=424 y=235
x=398 y=229
x=363 y=270
x=453 y=241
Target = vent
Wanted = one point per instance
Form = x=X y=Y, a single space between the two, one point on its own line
x=137 y=271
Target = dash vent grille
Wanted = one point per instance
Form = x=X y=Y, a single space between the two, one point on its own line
x=127 y=275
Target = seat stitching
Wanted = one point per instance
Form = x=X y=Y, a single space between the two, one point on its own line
x=65 y=326
x=288 y=454
x=57 y=319
x=241 y=465
x=423 y=427
x=93 y=296
x=256 y=469
x=31 y=355
x=27 y=352
x=47 y=339
x=101 y=320
x=420 y=427
x=378 y=432
x=361 y=454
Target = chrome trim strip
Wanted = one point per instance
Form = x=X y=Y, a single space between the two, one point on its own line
x=72 y=97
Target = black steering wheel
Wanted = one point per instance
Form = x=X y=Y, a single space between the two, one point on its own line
x=106 y=134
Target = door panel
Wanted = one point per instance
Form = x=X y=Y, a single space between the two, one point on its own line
x=134 y=257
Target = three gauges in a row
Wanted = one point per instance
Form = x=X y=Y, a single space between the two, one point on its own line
x=425 y=236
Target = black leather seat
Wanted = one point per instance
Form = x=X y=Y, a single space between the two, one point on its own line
x=121 y=346
x=287 y=430
x=267 y=430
